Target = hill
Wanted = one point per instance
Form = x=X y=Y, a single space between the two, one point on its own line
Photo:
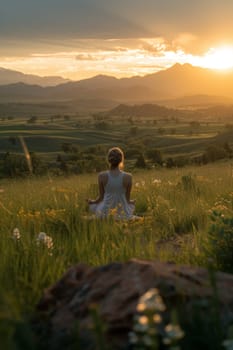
x=157 y=111
x=196 y=101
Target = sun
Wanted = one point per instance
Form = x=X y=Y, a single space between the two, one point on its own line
x=218 y=58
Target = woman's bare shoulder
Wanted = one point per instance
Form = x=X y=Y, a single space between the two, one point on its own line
x=103 y=175
x=127 y=177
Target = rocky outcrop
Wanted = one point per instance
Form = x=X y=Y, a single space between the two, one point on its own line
x=115 y=288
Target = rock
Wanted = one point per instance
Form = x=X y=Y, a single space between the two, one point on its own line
x=116 y=288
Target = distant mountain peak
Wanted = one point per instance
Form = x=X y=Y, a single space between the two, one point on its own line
x=184 y=66
x=104 y=76
x=9 y=76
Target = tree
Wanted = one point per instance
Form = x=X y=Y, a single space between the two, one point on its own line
x=213 y=153
x=173 y=131
x=161 y=131
x=140 y=162
x=32 y=120
x=12 y=140
x=170 y=163
x=155 y=155
x=133 y=131
x=15 y=165
x=38 y=166
x=66 y=147
x=195 y=124
x=228 y=149
x=101 y=125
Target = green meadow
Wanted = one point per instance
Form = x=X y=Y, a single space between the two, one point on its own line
x=185 y=213
x=177 y=209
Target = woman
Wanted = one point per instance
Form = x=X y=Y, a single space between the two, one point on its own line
x=114 y=190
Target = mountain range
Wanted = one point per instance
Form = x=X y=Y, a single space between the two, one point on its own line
x=173 y=83
x=8 y=76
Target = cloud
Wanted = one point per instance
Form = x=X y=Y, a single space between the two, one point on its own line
x=123 y=37
x=87 y=57
x=64 y=20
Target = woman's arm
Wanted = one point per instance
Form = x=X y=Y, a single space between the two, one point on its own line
x=128 y=186
x=101 y=184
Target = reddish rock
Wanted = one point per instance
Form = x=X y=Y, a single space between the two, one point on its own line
x=116 y=288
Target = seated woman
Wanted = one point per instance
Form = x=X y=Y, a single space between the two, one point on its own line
x=114 y=190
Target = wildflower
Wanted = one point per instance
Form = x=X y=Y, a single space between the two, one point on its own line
x=157 y=318
x=173 y=333
x=151 y=300
x=140 y=328
x=146 y=339
x=156 y=181
x=148 y=325
x=45 y=240
x=141 y=324
x=228 y=344
x=133 y=338
x=143 y=320
x=16 y=234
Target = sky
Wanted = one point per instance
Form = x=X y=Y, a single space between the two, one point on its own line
x=78 y=39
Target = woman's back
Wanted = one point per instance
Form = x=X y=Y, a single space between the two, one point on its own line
x=114 y=196
x=114 y=190
x=114 y=184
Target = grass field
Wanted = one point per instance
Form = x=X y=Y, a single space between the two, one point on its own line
x=176 y=208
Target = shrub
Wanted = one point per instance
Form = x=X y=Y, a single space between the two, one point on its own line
x=220 y=241
x=140 y=162
x=155 y=155
x=213 y=153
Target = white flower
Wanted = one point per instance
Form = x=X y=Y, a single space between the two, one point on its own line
x=228 y=344
x=133 y=338
x=16 y=234
x=45 y=239
x=143 y=320
x=151 y=300
x=140 y=327
x=157 y=318
x=156 y=181
x=147 y=340
x=142 y=324
x=173 y=332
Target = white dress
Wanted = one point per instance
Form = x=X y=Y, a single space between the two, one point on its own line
x=114 y=202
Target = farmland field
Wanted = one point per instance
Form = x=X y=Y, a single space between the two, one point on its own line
x=46 y=133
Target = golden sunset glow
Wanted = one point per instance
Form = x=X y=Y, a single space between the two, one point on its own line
x=122 y=58
x=44 y=40
x=217 y=58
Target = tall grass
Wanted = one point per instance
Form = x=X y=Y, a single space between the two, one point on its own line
x=175 y=206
